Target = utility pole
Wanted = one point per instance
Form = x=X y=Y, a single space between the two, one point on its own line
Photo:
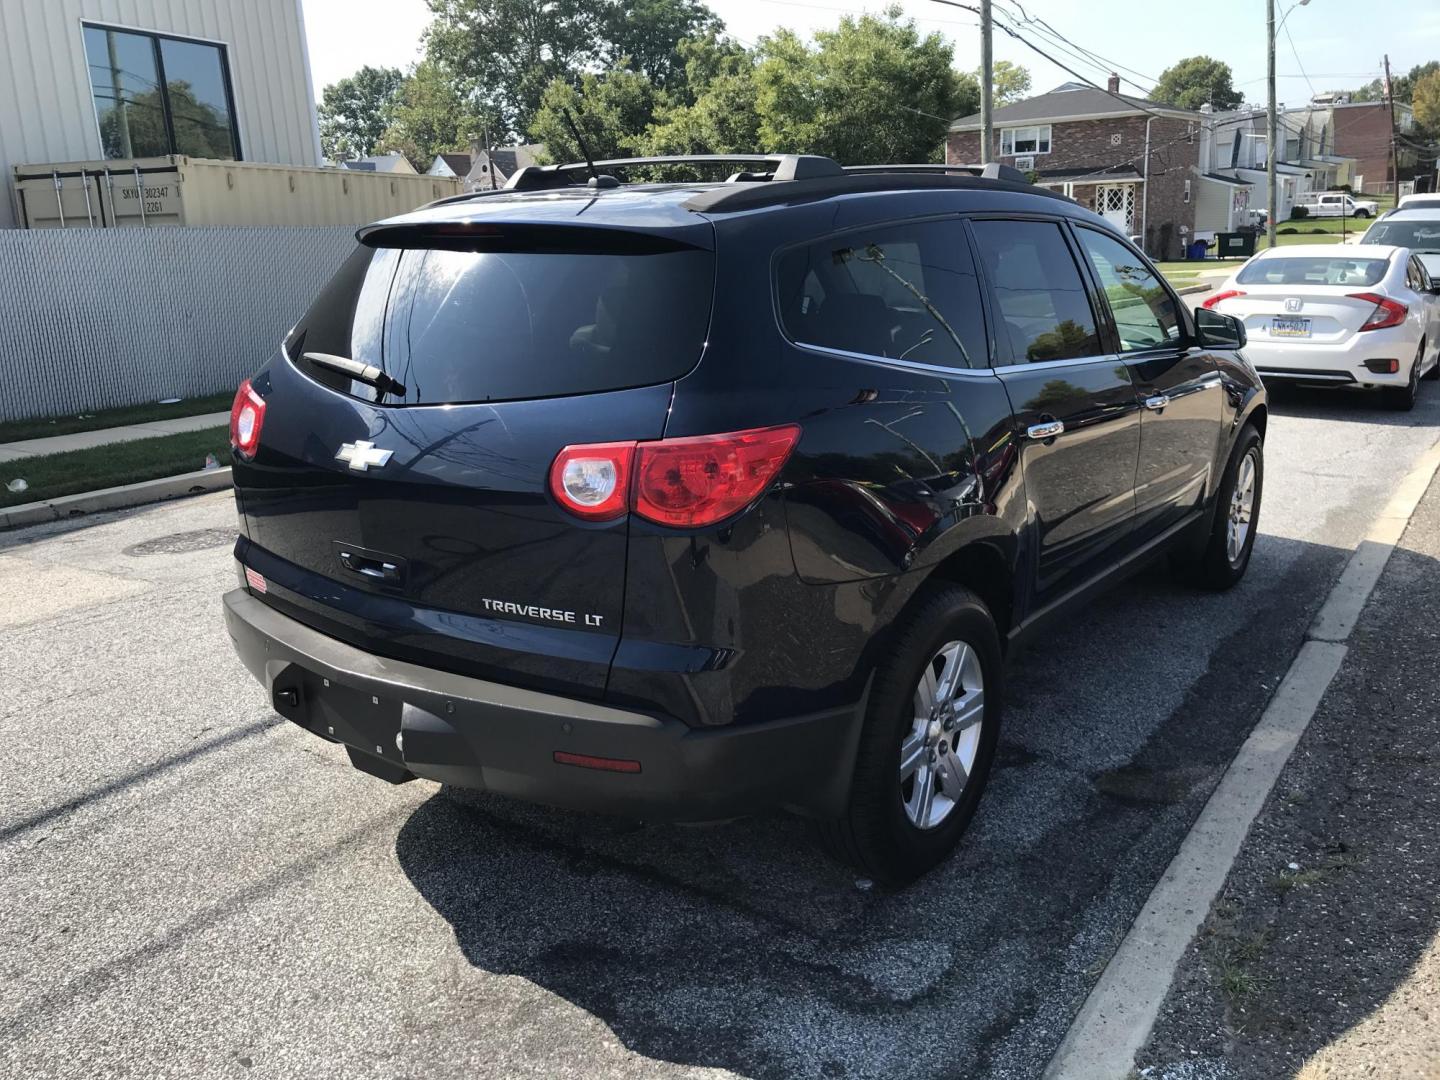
x=1394 y=141
x=987 y=84
x=1272 y=135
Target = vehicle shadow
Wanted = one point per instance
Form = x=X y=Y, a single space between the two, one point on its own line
x=740 y=946
x=1355 y=406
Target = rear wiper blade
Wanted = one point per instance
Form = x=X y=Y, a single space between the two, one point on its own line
x=359 y=371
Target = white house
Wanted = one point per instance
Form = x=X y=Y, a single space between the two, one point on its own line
x=456 y=165
x=87 y=80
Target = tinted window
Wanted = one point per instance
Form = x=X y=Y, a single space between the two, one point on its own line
x=1044 y=311
x=457 y=326
x=125 y=79
x=1144 y=311
x=902 y=291
x=1317 y=270
x=1423 y=235
x=199 y=99
x=156 y=96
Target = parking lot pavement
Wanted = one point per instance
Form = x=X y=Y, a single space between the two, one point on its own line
x=189 y=886
x=1321 y=957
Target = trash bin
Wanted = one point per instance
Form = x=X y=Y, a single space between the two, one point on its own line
x=1233 y=245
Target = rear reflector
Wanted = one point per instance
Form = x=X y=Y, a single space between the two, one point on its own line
x=604 y=764
x=686 y=483
x=247 y=417
x=1387 y=312
x=255 y=580
x=1228 y=294
x=1383 y=367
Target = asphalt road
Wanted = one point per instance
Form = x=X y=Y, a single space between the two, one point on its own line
x=191 y=887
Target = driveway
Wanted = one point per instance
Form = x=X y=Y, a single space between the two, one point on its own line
x=190 y=886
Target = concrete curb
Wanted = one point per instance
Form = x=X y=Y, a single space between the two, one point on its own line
x=115 y=498
x=1190 y=290
x=1120 y=1011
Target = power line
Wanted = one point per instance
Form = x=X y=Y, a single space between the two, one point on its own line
x=1063 y=67
x=1101 y=63
x=1296 y=53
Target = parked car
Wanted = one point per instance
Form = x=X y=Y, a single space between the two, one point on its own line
x=685 y=501
x=1417 y=229
x=1364 y=316
x=1425 y=200
x=1338 y=204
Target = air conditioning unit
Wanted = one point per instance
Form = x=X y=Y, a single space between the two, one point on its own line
x=1025 y=164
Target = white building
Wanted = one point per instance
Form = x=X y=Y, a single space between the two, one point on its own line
x=86 y=80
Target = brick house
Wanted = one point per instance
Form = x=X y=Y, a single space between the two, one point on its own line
x=1135 y=162
x=1358 y=130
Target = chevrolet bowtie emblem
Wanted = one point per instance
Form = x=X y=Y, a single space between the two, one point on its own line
x=361 y=455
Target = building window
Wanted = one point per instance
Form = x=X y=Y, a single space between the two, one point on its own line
x=1025 y=140
x=1187 y=191
x=157 y=95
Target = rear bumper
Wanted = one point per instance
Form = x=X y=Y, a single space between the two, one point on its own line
x=1340 y=364
x=477 y=734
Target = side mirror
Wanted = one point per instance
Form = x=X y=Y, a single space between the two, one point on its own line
x=1216 y=331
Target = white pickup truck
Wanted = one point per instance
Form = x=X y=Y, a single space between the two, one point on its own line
x=1337 y=204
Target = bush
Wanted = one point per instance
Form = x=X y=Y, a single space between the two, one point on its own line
x=1317 y=232
x=1286 y=232
x=1299 y=212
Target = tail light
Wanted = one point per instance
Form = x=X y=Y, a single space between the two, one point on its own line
x=1228 y=294
x=593 y=482
x=247 y=417
x=1387 y=312
x=686 y=483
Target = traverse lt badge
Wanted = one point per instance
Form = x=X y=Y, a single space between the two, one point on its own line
x=361 y=455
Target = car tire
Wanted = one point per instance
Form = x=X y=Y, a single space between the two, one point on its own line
x=882 y=832
x=1402 y=398
x=1220 y=564
x=1362 y=213
x=1434 y=373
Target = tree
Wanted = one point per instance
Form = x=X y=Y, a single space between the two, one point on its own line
x=1196 y=81
x=645 y=35
x=1425 y=97
x=714 y=111
x=1009 y=82
x=512 y=50
x=1405 y=85
x=612 y=111
x=871 y=90
x=434 y=115
x=355 y=111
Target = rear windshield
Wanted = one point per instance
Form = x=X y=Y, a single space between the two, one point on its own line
x=1323 y=270
x=1416 y=235
x=497 y=325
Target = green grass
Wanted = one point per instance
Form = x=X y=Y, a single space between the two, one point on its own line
x=53 y=475
x=40 y=427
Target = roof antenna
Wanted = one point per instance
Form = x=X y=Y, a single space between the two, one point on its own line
x=596 y=179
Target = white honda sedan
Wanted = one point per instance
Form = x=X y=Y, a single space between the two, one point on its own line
x=1363 y=315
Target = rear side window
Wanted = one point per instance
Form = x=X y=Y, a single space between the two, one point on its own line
x=499 y=325
x=1145 y=312
x=1322 y=270
x=907 y=292
x=1045 y=313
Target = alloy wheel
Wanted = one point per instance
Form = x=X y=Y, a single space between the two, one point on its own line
x=1242 y=507
x=938 y=751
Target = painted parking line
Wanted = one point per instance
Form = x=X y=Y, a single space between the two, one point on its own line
x=1117 y=1016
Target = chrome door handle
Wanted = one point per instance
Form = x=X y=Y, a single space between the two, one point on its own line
x=1047 y=430
x=1158 y=402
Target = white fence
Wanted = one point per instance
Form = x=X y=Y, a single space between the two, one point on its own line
x=97 y=318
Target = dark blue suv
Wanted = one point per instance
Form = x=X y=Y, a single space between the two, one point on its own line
x=689 y=500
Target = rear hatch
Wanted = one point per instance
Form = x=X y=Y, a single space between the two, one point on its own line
x=1306 y=300
x=417 y=523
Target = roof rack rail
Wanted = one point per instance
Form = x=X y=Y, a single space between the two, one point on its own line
x=779 y=167
x=992 y=171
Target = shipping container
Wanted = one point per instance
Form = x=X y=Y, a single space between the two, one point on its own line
x=182 y=190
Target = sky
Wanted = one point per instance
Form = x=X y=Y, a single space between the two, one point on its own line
x=1333 y=52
